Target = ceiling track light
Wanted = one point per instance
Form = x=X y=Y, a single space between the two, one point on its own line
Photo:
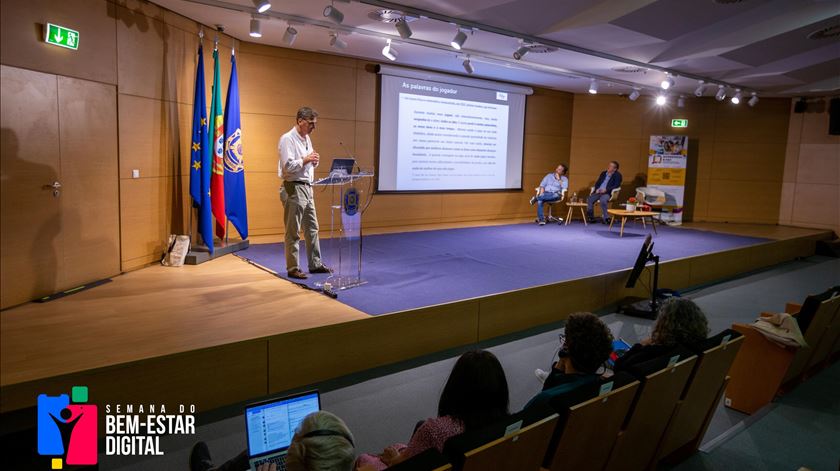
x=634 y=95
x=753 y=100
x=403 y=28
x=290 y=35
x=458 y=41
x=661 y=100
x=737 y=98
x=389 y=52
x=337 y=42
x=721 y=93
x=468 y=67
x=593 y=86
x=262 y=6
x=520 y=53
x=256 y=28
x=701 y=87
x=668 y=82
x=681 y=102
x=334 y=14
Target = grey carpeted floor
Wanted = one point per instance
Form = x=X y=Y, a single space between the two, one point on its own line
x=381 y=407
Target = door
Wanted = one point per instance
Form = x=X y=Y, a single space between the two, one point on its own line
x=59 y=180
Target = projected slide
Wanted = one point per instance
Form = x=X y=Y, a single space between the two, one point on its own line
x=437 y=136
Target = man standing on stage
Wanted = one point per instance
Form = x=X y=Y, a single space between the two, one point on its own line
x=297 y=169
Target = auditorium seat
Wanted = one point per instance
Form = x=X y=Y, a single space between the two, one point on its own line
x=762 y=367
x=429 y=460
x=589 y=423
x=822 y=351
x=700 y=398
x=662 y=381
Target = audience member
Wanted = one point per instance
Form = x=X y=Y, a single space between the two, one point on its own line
x=680 y=322
x=550 y=189
x=609 y=180
x=585 y=350
x=322 y=442
x=475 y=395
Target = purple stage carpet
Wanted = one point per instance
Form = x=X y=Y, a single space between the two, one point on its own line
x=414 y=269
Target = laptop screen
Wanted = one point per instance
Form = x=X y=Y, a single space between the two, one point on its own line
x=343 y=166
x=272 y=425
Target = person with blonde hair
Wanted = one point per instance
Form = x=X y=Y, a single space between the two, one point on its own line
x=322 y=442
x=679 y=322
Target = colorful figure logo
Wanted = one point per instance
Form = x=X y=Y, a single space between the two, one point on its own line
x=67 y=429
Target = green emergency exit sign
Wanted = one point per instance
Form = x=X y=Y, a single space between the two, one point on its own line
x=679 y=123
x=61 y=36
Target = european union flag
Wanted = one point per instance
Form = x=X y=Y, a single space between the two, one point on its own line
x=236 y=208
x=200 y=158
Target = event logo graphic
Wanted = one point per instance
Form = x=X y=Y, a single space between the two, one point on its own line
x=351 y=201
x=67 y=428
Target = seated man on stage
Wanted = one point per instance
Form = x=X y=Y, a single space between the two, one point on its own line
x=550 y=189
x=609 y=180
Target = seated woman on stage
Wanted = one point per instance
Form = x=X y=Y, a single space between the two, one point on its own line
x=475 y=395
x=550 y=189
x=322 y=442
x=587 y=346
x=680 y=322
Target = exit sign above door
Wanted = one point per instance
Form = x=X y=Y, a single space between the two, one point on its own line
x=61 y=36
x=679 y=123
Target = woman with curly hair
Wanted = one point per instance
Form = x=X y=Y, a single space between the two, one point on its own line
x=680 y=322
x=587 y=345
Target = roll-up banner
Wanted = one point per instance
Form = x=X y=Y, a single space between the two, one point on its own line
x=667 y=162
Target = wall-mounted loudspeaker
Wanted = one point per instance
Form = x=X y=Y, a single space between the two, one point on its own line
x=800 y=106
x=834 y=116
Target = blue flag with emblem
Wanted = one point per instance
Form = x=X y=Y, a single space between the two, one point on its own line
x=200 y=158
x=236 y=207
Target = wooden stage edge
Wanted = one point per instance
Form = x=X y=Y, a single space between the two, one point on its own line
x=154 y=336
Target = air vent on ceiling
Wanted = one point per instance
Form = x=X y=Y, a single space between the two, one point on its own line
x=825 y=33
x=389 y=16
x=628 y=69
x=728 y=2
x=539 y=48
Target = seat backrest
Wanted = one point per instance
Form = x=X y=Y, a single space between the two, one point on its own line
x=823 y=314
x=429 y=460
x=699 y=399
x=830 y=336
x=614 y=194
x=662 y=383
x=519 y=449
x=590 y=420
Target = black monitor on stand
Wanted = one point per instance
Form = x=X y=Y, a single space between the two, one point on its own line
x=645 y=308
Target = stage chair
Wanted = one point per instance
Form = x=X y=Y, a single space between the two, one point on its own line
x=589 y=423
x=662 y=381
x=762 y=367
x=511 y=445
x=429 y=460
x=550 y=217
x=613 y=197
x=701 y=396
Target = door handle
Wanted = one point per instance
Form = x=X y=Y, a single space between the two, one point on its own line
x=55 y=187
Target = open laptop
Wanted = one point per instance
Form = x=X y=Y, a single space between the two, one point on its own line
x=271 y=424
x=340 y=167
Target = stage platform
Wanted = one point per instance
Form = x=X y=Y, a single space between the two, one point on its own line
x=227 y=331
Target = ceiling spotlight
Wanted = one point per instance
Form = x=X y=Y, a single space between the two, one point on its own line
x=593 y=86
x=520 y=53
x=289 y=36
x=256 y=30
x=721 y=93
x=753 y=100
x=389 y=52
x=262 y=6
x=337 y=42
x=334 y=14
x=668 y=82
x=737 y=98
x=468 y=65
x=698 y=92
x=459 y=40
x=403 y=28
x=681 y=102
x=661 y=100
x=634 y=95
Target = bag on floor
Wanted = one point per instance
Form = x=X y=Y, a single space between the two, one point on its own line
x=176 y=251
